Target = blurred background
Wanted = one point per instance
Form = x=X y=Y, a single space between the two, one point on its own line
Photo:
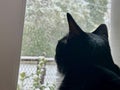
x=45 y=23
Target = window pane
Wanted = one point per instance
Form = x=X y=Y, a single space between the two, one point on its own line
x=45 y=23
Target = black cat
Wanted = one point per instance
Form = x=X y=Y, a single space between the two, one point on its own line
x=85 y=60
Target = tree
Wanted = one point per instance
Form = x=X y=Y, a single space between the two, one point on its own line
x=45 y=22
x=97 y=11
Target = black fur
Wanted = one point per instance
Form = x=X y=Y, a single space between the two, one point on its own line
x=85 y=60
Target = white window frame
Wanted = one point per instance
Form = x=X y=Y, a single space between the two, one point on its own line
x=11 y=28
x=115 y=30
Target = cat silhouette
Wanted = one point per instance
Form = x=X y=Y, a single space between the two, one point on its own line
x=85 y=61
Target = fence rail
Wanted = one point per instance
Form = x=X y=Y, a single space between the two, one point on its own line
x=35 y=58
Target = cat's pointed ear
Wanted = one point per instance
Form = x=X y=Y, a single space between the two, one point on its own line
x=73 y=27
x=102 y=30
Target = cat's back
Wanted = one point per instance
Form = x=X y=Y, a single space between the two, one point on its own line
x=94 y=78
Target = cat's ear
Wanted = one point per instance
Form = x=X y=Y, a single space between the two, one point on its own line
x=73 y=27
x=102 y=30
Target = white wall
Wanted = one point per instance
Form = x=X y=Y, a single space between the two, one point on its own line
x=11 y=26
x=115 y=30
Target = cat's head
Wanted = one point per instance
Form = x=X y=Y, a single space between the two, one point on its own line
x=79 y=49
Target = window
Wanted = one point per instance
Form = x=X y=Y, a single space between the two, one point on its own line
x=45 y=24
